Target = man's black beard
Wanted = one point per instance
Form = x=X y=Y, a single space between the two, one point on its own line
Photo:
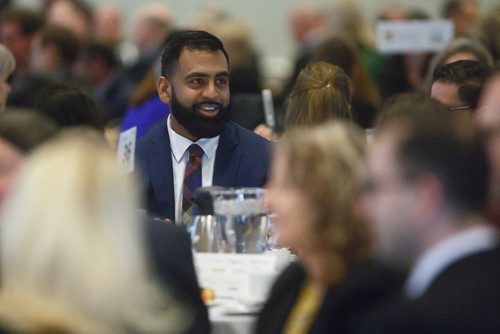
x=197 y=124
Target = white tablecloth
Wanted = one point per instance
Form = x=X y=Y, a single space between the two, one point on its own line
x=230 y=324
x=241 y=283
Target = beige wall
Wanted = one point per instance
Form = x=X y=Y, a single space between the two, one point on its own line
x=268 y=18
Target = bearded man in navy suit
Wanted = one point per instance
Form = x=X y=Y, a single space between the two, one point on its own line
x=195 y=83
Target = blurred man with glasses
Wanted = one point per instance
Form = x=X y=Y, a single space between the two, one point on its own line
x=458 y=85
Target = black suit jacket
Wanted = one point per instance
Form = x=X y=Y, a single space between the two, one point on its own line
x=241 y=160
x=464 y=298
x=169 y=247
x=364 y=286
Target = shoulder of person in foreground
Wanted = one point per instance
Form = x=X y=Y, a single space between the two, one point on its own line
x=281 y=299
x=364 y=293
x=465 y=298
x=172 y=260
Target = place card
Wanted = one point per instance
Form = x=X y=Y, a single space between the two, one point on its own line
x=126 y=149
x=238 y=275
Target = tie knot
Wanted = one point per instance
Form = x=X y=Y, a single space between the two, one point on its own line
x=195 y=150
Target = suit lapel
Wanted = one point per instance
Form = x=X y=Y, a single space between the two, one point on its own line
x=161 y=173
x=227 y=158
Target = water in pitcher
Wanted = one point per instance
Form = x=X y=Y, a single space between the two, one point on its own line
x=243 y=218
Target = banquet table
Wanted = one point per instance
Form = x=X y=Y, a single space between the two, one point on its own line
x=223 y=323
x=241 y=283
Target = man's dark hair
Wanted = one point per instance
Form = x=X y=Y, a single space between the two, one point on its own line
x=102 y=51
x=30 y=21
x=450 y=148
x=25 y=129
x=453 y=7
x=64 y=40
x=469 y=75
x=68 y=106
x=191 y=40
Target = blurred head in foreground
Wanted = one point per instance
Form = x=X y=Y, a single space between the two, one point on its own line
x=20 y=132
x=72 y=254
x=488 y=119
x=7 y=66
x=426 y=180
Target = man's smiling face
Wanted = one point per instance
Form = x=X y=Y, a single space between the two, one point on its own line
x=198 y=93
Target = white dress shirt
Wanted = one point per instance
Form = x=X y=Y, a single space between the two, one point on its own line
x=180 y=156
x=440 y=256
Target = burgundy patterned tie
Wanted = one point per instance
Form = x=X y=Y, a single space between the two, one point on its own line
x=192 y=180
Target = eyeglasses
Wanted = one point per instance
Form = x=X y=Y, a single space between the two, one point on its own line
x=460 y=108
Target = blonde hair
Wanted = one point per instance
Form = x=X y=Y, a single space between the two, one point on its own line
x=347 y=18
x=325 y=163
x=237 y=39
x=322 y=92
x=7 y=62
x=72 y=254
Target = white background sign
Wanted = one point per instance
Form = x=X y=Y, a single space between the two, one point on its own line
x=413 y=36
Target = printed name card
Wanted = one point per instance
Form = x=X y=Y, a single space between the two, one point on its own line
x=236 y=275
x=126 y=149
x=413 y=36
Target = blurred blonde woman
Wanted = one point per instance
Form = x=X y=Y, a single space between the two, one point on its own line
x=7 y=66
x=72 y=258
x=314 y=183
x=322 y=92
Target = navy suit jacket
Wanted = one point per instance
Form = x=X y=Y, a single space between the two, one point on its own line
x=242 y=160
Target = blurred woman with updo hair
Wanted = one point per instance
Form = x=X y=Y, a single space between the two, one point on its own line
x=321 y=93
x=338 y=50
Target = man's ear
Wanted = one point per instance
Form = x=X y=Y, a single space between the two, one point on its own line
x=164 y=89
x=429 y=196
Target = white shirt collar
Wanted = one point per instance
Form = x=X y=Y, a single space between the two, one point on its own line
x=440 y=256
x=180 y=144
